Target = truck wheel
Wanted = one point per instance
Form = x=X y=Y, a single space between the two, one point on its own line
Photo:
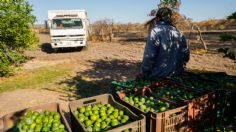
x=55 y=50
x=86 y=47
x=80 y=48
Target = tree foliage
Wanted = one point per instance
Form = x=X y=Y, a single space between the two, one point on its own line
x=174 y=4
x=102 y=29
x=232 y=16
x=15 y=33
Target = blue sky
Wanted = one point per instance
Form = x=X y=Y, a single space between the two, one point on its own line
x=134 y=10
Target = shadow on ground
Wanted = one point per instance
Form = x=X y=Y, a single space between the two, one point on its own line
x=97 y=80
x=46 y=47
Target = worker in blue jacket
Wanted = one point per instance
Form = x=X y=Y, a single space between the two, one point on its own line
x=166 y=52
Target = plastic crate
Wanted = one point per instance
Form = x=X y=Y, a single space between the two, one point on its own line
x=201 y=110
x=173 y=120
x=137 y=124
x=8 y=121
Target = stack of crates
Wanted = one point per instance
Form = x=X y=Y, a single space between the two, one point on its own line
x=200 y=111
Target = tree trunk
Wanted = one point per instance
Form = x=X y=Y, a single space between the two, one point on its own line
x=200 y=34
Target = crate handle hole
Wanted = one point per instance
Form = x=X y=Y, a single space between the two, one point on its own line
x=90 y=101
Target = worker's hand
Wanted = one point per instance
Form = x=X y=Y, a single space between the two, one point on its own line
x=139 y=77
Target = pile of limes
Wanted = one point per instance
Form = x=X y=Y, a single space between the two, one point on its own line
x=35 y=121
x=132 y=84
x=174 y=93
x=193 y=82
x=147 y=104
x=100 y=117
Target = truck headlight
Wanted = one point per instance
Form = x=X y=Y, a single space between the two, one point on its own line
x=80 y=39
x=56 y=40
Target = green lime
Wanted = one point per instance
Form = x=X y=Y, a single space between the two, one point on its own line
x=56 y=124
x=107 y=105
x=103 y=114
x=95 y=108
x=97 y=124
x=28 y=121
x=35 y=113
x=103 y=117
x=93 y=117
x=88 y=108
x=76 y=113
x=119 y=118
x=55 y=128
x=88 y=123
x=123 y=121
x=115 y=114
x=103 y=108
x=99 y=120
x=151 y=98
x=86 y=113
x=32 y=126
x=103 y=125
x=162 y=109
x=81 y=118
x=121 y=113
x=96 y=129
x=108 y=120
x=80 y=115
x=45 y=120
x=61 y=126
x=111 y=117
x=57 y=116
x=96 y=112
x=82 y=110
x=38 y=121
x=90 y=112
x=25 y=127
x=111 y=108
x=136 y=99
x=89 y=129
x=45 y=129
x=38 y=128
x=114 y=123
x=46 y=113
x=143 y=107
x=29 y=113
x=125 y=117
x=109 y=112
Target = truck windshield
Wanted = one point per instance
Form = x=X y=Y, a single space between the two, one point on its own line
x=67 y=23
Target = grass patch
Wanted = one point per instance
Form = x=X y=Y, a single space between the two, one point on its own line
x=45 y=77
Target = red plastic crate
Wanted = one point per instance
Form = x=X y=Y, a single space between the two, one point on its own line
x=201 y=109
x=173 y=120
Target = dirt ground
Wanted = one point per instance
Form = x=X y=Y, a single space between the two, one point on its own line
x=96 y=66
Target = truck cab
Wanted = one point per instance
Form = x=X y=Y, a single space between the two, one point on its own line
x=68 y=28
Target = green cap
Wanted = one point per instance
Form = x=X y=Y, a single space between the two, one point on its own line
x=164 y=13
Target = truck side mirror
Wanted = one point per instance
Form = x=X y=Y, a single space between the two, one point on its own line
x=46 y=24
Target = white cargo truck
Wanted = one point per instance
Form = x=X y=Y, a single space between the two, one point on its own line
x=68 y=28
